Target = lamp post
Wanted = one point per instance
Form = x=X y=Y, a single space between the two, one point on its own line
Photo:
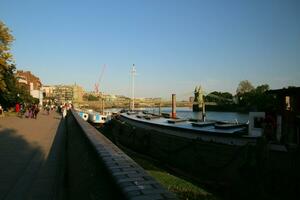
x=133 y=73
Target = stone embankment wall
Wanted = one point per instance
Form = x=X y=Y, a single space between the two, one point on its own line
x=97 y=169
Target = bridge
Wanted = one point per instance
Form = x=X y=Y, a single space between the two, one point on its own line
x=54 y=158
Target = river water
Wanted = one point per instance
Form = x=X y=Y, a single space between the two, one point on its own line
x=186 y=112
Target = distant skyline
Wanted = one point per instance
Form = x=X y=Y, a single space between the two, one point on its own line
x=174 y=44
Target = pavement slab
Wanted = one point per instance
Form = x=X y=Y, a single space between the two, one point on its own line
x=26 y=146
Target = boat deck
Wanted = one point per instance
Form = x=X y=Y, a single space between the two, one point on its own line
x=205 y=131
x=183 y=124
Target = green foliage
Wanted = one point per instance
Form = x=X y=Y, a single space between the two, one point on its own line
x=244 y=87
x=249 y=99
x=220 y=98
x=257 y=99
x=184 y=189
x=35 y=101
x=10 y=91
x=262 y=88
x=15 y=94
x=6 y=65
x=91 y=97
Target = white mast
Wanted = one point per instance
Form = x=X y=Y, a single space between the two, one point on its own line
x=133 y=73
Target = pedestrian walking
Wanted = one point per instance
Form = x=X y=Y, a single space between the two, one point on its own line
x=36 y=111
x=27 y=112
x=1 y=111
x=48 y=109
x=17 y=107
x=21 y=111
x=64 y=111
x=31 y=111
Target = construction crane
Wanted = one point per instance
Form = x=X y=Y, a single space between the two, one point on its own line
x=97 y=84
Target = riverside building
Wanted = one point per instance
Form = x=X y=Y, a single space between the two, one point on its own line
x=31 y=82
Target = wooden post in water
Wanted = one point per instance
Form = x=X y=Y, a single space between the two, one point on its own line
x=173 y=106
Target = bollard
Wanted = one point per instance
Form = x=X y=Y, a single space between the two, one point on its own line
x=173 y=106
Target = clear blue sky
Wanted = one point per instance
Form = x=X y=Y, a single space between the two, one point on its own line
x=174 y=44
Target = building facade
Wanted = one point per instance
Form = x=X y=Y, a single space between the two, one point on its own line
x=48 y=91
x=288 y=102
x=78 y=93
x=31 y=82
x=63 y=93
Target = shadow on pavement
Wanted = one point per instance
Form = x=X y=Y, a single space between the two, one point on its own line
x=26 y=171
x=19 y=162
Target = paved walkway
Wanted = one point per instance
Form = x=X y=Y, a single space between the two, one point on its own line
x=29 y=156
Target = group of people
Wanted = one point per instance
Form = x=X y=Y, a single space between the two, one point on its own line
x=63 y=109
x=29 y=111
x=32 y=110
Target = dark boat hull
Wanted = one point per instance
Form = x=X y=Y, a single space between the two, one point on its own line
x=233 y=163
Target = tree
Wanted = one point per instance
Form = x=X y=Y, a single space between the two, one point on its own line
x=256 y=99
x=244 y=87
x=6 y=65
x=263 y=101
x=219 y=97
x=10 y=91
x=8 y=86
x=262 y=88
x=91 y=97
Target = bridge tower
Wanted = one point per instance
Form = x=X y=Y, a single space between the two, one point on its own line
x=198 y=99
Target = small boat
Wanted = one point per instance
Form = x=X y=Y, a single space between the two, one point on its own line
x=97 y=118
x=83 y=115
